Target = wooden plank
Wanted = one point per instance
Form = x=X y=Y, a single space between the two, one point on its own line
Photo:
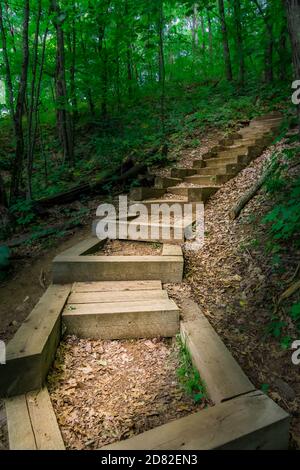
x=172 y=250
x=117 y=268
x=119 y=307
x=87 y=246
x=31 y=351
x=250 y=422
x=113 y=296
x=20 y=432
x=222 y=375
x=116 y=286
x=44 y=423
x=133 y=323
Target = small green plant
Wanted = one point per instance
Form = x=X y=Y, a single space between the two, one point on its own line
x=23 y=212
x=265 y=388
x=188 y=375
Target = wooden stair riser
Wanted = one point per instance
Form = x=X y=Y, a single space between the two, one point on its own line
x=163 y=183
x=194 y=194
x=182 y=172
x=238 y=160
x=210 y=180
x=138 y=194
x=117 y=268
x=119 y=320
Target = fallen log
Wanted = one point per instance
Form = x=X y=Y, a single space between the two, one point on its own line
x=237 y=209
x=90 y=188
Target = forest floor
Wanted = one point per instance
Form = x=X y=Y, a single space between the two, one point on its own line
x=233 y=279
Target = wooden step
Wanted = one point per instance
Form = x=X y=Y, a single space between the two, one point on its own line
x=116 y=286
x=30 y=353
x=238 y=160
x=220 y=170
x=182 y=172
x=163 y=183
x=147 y=230
x=209 y=180
x=114 y=296
x=195 y=194
x=117 y=268
x=138 y=194
x=123 y=320
x=32 y=423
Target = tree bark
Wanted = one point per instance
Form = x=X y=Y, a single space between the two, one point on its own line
x=64 y=120
x=226 y=50
x=210 y=36
x=293 y=16
x=239 y=40
x=195 y=36
x=20 y=148
x=162 y=70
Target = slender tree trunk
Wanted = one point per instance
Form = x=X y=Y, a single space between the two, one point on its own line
x=210 y=36
x=162 y=71
x=128 y=56
x=72 y=51
x=64 y=120
x=293 y=16
x=88 y=89
x=32 y=103
x=203 y=34
x=8 y=79
x=269 y=75
x=195 y=36
x=239 y=40
x=226 y=50
x=3 y=195
x=283 y=53
x=19 y=135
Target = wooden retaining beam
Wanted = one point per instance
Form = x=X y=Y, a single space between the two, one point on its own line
x=31 y=352
x=32 y=423
x=69 y=269
x=250 y=422
x=222 y=375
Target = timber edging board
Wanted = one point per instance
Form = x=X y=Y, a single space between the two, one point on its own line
x=249 y=422
x=31 y=351
x=222 y=375
x=69 y=268
x=32 y=423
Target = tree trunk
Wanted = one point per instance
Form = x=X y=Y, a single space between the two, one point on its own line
x=239 y=40
x=162 y=71
x=293 y=16
x=9 y=85
x=210 y=36
x=203 y=34
x=195 y=36
x=19 y=135
x=226 y=50
x=283 y=53
x=33 y=104
x=64 y=120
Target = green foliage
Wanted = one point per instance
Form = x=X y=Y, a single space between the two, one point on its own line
x=23 y=212
x=295 y=314
x=189 y=376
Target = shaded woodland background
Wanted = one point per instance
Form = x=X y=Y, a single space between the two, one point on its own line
x=89 y=85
